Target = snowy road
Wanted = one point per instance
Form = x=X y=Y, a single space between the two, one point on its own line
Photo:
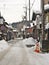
x=37 y=59
x=16 y=56
x=19 y=54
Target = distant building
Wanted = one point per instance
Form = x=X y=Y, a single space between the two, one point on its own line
x=4 y=27
x=46 y=1
x=19 y=25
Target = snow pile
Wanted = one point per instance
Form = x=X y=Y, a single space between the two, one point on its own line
x=47 y=26
x=29 y=41
x=46 y=6
x=3 y=45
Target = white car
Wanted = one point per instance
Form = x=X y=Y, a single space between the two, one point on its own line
x=29 y=42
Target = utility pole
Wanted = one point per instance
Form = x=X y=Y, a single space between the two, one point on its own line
x=25 y=12
x=43 y=20
x=29 y=10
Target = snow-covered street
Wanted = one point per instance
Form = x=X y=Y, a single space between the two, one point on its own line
x=19 y=54
x=16 y=56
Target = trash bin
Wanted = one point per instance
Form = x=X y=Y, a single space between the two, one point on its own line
x=45 y=46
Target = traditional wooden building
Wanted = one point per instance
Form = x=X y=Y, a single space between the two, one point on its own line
x=46 y=8
x=46 y=1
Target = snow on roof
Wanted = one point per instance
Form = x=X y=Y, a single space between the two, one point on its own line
x=46 y=6
x=37 y=12
x=27 y=27
x=47 y=26
x=9 y=26
x=15 y=30
x=31 y=24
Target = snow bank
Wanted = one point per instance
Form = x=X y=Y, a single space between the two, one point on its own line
x=42 y=58
x=46 y=56
x=29 y=41
x=3 y=45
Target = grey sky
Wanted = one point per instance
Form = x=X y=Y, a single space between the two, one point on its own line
x=13 y=10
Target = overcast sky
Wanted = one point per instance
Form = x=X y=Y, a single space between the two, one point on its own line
x=13 y=11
